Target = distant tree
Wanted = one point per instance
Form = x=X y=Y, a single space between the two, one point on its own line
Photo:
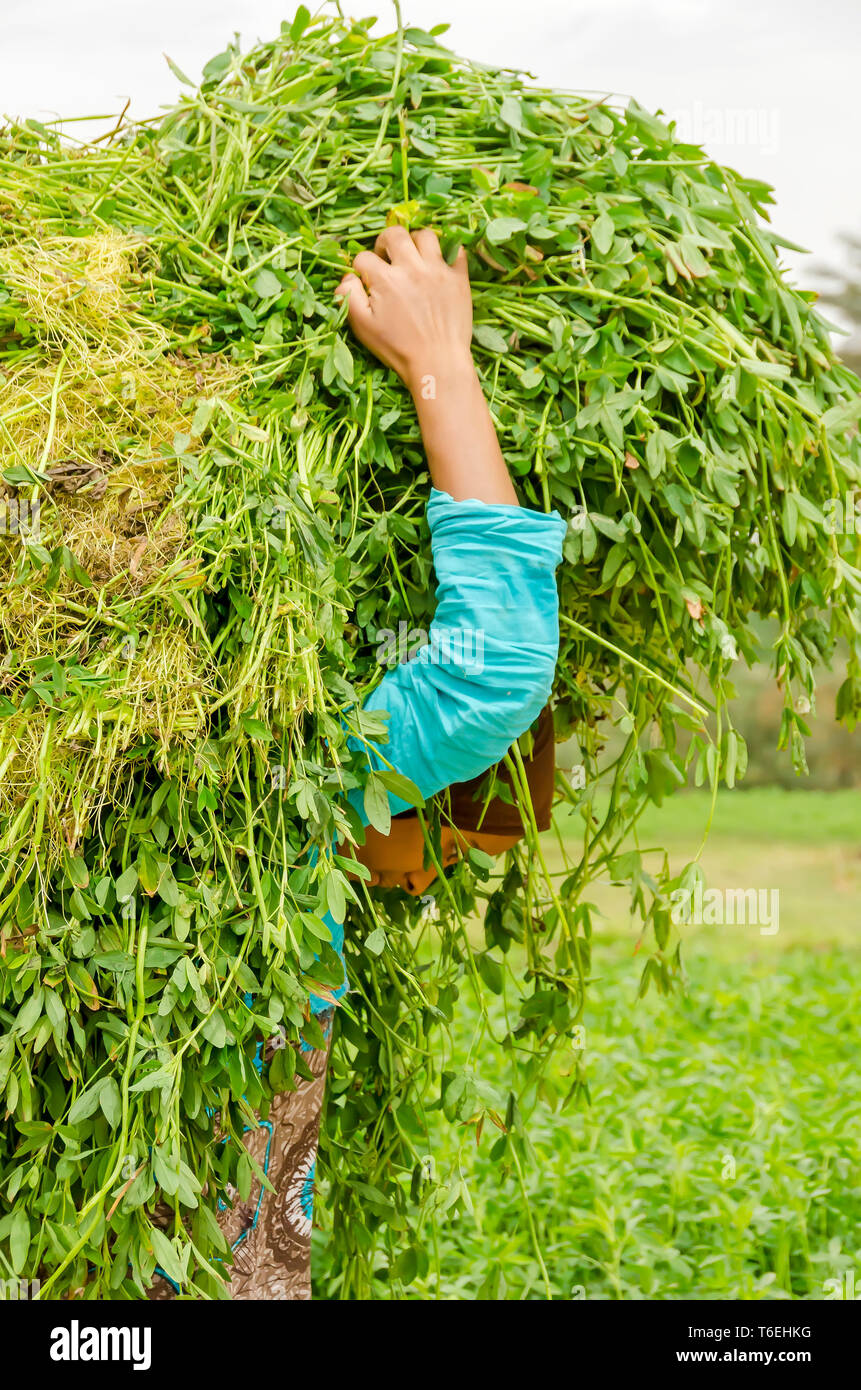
x=843 y=291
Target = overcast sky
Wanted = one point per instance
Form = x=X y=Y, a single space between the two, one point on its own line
x=766 y=85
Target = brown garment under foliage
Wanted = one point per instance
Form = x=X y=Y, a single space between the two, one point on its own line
x=499 y=817
x=270 y=1233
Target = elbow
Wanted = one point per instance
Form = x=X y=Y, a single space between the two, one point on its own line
x=531 y=660
x=501 y=683
x=535 y=689
x=520 y=689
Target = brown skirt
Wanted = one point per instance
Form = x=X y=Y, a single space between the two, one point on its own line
x=270 y=1233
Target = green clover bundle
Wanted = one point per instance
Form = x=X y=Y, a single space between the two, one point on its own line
x=213 y=502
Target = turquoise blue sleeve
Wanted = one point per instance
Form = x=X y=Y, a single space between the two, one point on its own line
x=487 y=668
x=486 y=671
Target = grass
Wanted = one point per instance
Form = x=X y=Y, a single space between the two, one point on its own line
x=806 y=844
x=721 y=1155
x=768 y=815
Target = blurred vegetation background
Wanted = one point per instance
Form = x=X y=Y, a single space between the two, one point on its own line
x=841 y=291
x=834 y=752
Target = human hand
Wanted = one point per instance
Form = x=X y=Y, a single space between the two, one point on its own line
x=410 y=308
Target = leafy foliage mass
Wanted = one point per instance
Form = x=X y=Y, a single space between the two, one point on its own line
x=231 y=505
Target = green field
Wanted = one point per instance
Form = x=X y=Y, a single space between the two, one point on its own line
x=807 y=844
x=720 y=1157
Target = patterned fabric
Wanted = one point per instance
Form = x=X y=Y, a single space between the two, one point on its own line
x=270 y=1233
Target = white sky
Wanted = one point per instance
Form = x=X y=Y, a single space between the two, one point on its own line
x=766 y=85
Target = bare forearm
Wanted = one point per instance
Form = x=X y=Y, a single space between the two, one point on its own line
x=462 y=449
x=414 y=312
